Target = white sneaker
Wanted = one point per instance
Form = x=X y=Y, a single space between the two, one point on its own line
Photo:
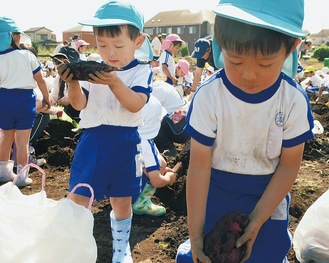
x=41 y=162
x=21 y=182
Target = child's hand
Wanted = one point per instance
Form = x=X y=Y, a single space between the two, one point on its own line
x=197 y=252
x=249 y=236
x=65 y=73
x=103 y=77
x=46 y=103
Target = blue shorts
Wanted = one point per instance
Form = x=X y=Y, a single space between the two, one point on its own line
x=18 y=109
x=109 y=159
x=273 y=240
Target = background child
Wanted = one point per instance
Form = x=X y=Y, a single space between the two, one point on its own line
x=108 y=152
x=20 y=73
x=170 y=46
x=156 y=173
x=248 y=124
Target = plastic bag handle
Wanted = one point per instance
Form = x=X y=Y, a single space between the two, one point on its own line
x=91 y=191
x=43 y=180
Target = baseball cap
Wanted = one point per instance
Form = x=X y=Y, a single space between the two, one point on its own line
x=320 y=73
x=281 y=15
x=309 y=69
x=184 y=65
x=80 y=43
x=75 y=37
x=71 y=54
x=170 y=38
x=200 y=48
x=7 y=25
x=115 y=13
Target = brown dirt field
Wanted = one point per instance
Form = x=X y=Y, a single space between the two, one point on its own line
x=157 y=239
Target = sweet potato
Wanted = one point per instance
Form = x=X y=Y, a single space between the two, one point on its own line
x=82 y=69
x=219 y=243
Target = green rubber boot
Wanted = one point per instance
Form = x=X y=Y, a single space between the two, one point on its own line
x=144 y=206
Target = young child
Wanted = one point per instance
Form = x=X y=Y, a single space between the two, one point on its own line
x=20 y=73
x=314 y=81
x=182 y=73
x=156 y=173
x=248 y=124
x=108 y=152
x=170 y=46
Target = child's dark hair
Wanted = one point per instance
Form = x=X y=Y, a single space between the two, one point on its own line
x=241 y=37
x=177 y=43
x=114 y=31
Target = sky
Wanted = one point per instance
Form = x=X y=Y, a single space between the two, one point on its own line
x=61 y=15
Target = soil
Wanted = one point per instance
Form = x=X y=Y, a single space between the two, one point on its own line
x=156 y=239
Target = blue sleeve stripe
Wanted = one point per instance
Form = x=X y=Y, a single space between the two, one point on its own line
x=205 y=140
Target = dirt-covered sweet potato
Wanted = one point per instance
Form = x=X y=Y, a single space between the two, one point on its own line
x=82 y=69
x=219 y=243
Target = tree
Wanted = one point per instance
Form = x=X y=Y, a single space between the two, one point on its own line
x=321 y=53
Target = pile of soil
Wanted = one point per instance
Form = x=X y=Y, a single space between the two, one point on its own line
x=156 y=239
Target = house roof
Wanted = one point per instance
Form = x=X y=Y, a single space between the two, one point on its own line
x=180 y=17
x=323 y=32
x=35 y=29
x=79 y=28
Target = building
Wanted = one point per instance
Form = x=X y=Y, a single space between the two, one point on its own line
x=43 y=36
x=188 y=25
x=84 y=32
x=320 y=38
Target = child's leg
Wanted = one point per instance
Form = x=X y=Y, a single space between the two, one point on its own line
x=121 y=218
x=22 y=138
x=6 y=143
x=80 y=199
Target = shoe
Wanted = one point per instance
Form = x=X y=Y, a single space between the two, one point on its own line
x=23 y=179
x=144 y=206
x=38 y=162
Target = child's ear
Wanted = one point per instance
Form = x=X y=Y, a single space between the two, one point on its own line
x=140 y=40
x=297 y=42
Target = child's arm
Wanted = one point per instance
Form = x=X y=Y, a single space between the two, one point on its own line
x=159 y=180
x=38 y=77
x=198 y=178
x=166 y=71
x=277 y=189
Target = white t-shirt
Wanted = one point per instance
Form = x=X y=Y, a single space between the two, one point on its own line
x=153 y=113
x=247 y=131
x=166 y=59
x=17 y=69
x=156 y=46
x=103 y=108
x=167 y=95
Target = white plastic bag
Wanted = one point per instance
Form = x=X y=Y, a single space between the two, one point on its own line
x=36 y=229
x=311 y=237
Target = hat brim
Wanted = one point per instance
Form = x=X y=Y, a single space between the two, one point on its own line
x=259 y=19
x=5 y=40
x=97 y=22
x=197 y=55
x=58 y=55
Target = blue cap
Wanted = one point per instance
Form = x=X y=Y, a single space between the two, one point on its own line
x=116 y=13
x=7 y=25
x=280 y=15
x=200 y=48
